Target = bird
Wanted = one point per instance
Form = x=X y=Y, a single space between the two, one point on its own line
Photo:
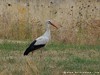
x=41 y=41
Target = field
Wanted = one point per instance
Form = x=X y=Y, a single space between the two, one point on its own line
x=25 y=20
x=78 y=49
x=55 y=59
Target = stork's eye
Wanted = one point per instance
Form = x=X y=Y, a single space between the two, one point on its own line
x=49 y=22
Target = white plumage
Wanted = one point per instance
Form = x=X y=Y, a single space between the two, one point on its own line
x=45 y=37
x=42 y=40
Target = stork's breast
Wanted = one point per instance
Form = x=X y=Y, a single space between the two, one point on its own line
x=41 y=40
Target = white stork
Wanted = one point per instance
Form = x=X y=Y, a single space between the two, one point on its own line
x=42 y=40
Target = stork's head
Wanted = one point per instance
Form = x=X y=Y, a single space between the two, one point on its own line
x=51 y=23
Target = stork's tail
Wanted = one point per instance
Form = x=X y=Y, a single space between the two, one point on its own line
x=27 y=51
x=30 y=48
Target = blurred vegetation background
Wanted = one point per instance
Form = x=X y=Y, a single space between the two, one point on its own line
x=25 y=20
x=75 y=47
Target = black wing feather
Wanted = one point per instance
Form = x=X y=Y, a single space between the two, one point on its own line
x=33 y=47
x=30 y=48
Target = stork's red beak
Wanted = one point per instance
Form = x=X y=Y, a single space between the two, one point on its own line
x=53 y=25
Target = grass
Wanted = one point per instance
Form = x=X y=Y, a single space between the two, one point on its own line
x=52 y=46
x=62 y=46
x=12 y=46
x=55 y=59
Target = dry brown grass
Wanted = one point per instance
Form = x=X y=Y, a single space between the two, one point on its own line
x=24 y=20
x=18 y=65
x=51 y=62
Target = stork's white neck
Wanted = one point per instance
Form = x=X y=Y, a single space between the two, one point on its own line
x=47 y=32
